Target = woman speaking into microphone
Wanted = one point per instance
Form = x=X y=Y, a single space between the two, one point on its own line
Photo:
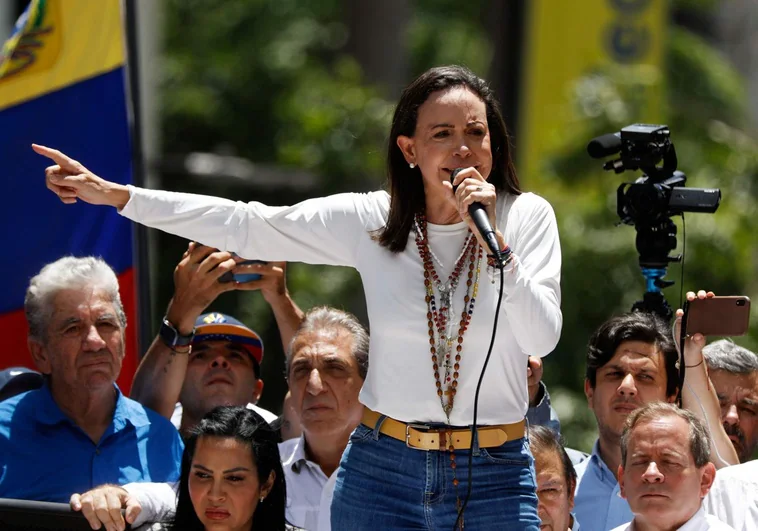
x=431 y=293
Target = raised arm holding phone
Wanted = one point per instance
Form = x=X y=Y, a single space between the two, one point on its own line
x=162 y=378
x=698 y=395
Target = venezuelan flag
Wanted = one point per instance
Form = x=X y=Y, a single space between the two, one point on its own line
x=62 y=83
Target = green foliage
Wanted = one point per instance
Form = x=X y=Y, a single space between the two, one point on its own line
x=333 y=125
x=707 y=84
x=233 y=69
x=449 y=32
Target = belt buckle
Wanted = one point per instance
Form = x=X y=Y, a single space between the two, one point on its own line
x=408 y=434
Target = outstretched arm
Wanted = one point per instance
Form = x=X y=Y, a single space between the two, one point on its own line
x=327 y=230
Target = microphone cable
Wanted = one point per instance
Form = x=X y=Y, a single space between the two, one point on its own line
x=500 y=261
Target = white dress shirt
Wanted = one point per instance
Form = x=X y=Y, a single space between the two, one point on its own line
x=733 y=497
x=699 y=522
x=325 y=510
x=338 y=230
x=305 y=483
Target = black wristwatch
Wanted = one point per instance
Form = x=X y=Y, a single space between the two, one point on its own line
x=171 y=336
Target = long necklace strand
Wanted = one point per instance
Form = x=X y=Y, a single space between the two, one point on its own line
x=439 y=322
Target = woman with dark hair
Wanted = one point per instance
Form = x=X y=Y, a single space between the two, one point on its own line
x=232 y=476
x=431 y=294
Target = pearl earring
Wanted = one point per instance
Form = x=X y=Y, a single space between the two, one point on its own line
x=262 y=498
x=412 y=165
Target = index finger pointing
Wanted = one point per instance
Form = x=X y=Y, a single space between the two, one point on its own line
x=60 y=158
x=48 y=152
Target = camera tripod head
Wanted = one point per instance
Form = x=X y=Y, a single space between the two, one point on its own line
x=649 y=203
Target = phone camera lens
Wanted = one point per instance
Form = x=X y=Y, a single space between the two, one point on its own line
x=741 y=302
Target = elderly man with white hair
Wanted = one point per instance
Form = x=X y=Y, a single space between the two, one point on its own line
x=78 y=430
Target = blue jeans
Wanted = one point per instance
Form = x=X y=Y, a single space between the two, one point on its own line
x=384 y=485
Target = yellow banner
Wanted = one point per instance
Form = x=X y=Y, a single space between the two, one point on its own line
x=566 y=40
x=59 y=43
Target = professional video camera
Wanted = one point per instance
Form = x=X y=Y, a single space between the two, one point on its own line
x=649 y=202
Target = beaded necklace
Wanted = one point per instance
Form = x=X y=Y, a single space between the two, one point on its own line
x=441 y=338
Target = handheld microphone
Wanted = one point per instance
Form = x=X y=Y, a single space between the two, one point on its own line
x=481 y=220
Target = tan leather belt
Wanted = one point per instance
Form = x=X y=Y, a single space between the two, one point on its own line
x=424 y=437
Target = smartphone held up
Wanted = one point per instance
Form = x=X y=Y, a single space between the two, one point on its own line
x=231 y=276
x=718 y=316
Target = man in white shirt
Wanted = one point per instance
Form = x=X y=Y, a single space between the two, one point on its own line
x=665 y=470
x=326 y=366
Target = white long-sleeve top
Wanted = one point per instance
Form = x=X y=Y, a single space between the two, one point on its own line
x=337 y=230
